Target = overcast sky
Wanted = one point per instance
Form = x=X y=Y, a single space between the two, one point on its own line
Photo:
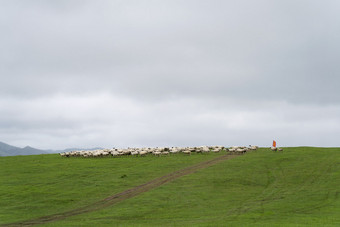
x=169 y=73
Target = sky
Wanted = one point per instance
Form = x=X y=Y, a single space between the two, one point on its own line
x=128 y=73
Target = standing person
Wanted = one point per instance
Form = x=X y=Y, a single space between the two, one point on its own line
x=274 y=148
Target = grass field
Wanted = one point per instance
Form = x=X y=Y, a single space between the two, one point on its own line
x=297 y=187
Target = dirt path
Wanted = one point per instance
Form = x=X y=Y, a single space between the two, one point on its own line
x=109 y=201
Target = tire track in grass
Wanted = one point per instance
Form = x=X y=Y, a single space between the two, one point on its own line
x=111 y=200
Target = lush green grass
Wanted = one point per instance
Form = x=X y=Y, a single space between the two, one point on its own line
x=297 y=187
x=39 y=185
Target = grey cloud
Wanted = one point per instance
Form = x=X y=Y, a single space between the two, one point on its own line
x=241 y=60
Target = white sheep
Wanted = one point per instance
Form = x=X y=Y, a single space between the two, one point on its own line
x=241 y=150
x=215 y=150
x=186 y=152
x=205 y=149
x=253 y=148
x=134 y=152
x=143 y=153
x=174 y=150
x=157 y=153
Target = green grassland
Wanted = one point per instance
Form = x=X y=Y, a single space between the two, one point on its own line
x=296 y=187
x=38 y=185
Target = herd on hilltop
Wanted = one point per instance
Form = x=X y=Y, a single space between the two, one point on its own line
x=157 y=151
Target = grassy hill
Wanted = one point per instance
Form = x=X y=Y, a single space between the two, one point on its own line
x=297 y=187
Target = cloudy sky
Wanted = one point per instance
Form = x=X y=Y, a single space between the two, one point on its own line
x=119 y=73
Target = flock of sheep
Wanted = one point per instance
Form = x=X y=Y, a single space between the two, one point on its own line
x=158 y=151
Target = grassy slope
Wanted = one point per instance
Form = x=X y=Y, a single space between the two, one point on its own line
x=298 y=187
x=38 y=185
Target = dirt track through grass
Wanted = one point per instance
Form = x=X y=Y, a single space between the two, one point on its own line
x=109 y=201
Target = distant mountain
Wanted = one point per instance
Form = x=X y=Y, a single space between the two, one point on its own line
x=8 y=150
